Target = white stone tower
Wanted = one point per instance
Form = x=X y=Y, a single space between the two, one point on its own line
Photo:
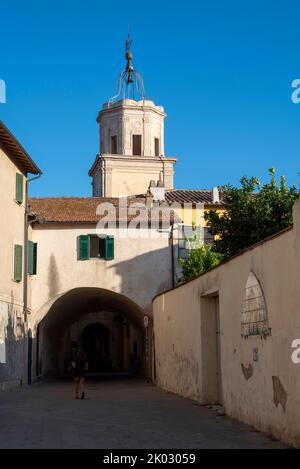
x=131 y=140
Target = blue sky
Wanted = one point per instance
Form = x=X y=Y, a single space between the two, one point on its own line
x=222 y=70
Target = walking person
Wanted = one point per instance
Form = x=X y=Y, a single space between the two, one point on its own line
x=79 y=368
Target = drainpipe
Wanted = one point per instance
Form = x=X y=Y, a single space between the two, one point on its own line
x=172 y=253
x=25 y=276
x=163 y=169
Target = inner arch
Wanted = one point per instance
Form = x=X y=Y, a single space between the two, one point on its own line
x=81 y=316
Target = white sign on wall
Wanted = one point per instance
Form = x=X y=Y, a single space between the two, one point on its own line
x=2 y=352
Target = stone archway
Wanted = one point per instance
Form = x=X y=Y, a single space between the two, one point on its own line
x=70 y=314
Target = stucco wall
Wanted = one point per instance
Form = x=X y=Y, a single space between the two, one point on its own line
x=264 y=393
x=141 y=267
x=12 y=328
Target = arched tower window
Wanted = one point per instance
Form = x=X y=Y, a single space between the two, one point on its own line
x=254 y=317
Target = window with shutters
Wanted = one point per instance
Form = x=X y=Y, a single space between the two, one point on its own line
x=18 y=262
x=19 y=188
x=113 y=145
x=95 y=247
x=137 y=145
x=32 y=257
x=156 y=146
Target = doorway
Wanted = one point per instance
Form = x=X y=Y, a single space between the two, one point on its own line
x=95 y=341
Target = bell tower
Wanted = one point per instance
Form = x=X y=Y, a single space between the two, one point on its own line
x=131 y=140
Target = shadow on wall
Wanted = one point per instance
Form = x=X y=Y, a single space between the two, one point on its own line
x=145 y=275
x=53 y=277
x=13 y=366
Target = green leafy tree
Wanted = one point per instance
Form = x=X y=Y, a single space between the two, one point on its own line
x=253 y=212
x=199 y=260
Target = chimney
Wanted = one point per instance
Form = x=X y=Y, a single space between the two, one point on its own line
x=215 y=195
x=149 y=199
x=157 y=190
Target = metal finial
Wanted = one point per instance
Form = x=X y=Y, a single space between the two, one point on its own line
x=128 y=42
x=128 y=77
x=129 y=57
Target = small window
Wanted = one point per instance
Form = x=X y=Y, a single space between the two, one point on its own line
x=113 y=145
x=137 y=145
x=95 y=247
x=156 y=146
x=19 y=187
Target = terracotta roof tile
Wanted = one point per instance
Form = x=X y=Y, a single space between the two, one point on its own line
x=191 y=196
x=84 y=209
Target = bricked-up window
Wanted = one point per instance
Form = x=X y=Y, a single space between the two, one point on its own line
x=137 y=145
x=254 y=316
x=156 y=146
x=113 y=145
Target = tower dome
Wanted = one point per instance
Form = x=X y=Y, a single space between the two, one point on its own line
x=131 y=139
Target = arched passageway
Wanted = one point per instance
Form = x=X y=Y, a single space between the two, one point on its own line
x=96 y=342
x=107 y=325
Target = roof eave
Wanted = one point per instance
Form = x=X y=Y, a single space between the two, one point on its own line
x=17 y=152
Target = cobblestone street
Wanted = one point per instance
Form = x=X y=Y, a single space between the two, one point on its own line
x=116 y=414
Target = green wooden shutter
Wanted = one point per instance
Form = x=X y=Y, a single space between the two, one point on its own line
x=109 y=248
x=18 y=262
x=19 y=187
x=84 y=247
x=32 y=257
